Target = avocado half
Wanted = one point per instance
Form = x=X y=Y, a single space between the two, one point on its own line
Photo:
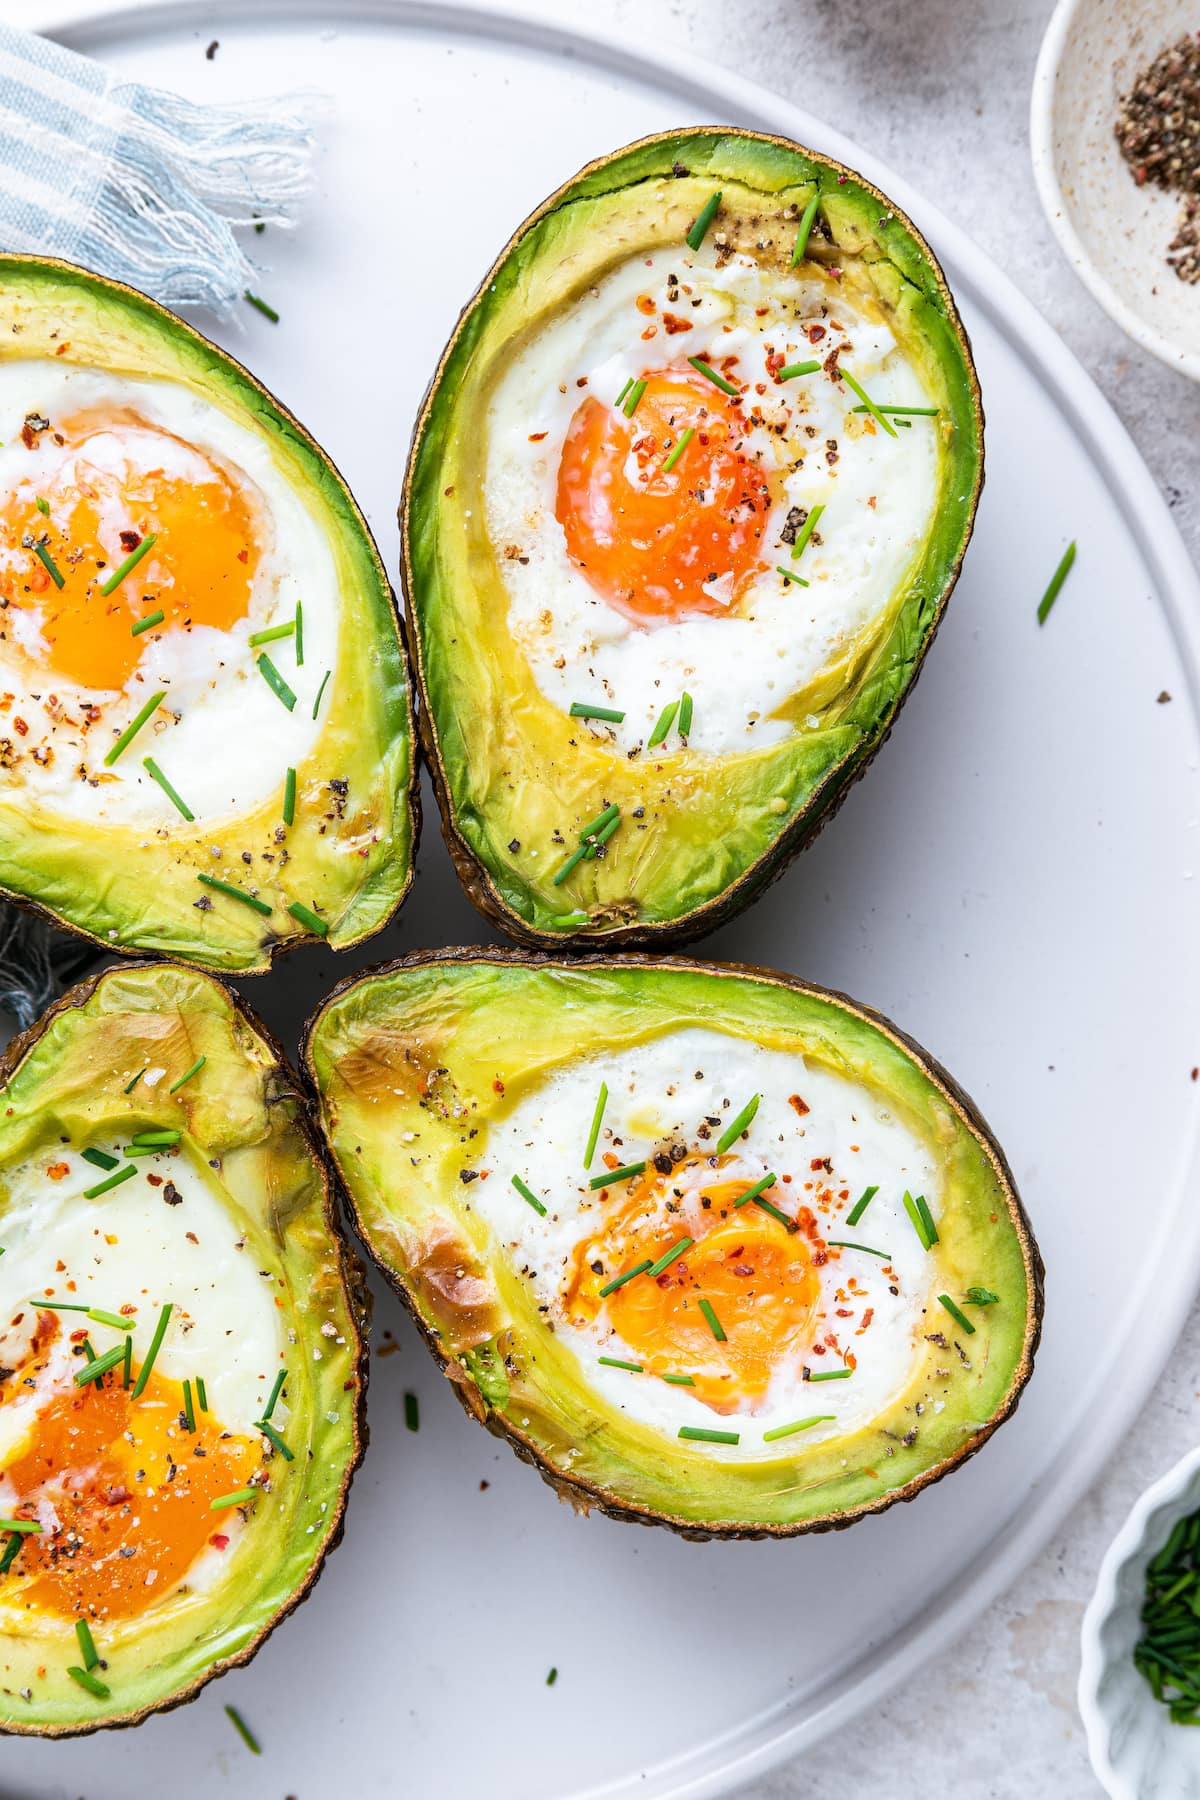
x=419 y=1064
x=346 y=859
x=151 y=1048
x=518 y=781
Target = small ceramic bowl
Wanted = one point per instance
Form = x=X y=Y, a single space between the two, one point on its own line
x=1136 y=1750
x=1114 y=233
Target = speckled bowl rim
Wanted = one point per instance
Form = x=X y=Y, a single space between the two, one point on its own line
x=1130 y=1542
x=1054 y=205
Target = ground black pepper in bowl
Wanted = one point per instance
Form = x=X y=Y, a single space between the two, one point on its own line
x=1158 y=129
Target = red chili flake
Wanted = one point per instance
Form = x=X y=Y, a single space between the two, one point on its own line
x=866 y=1320
x=535 y=437
x=60 y=1267
x=219 y=1541
x=798 y=1105
x=56 y=1171
x=62 y=349
x=645 y=304
x=672 y=323
x=497 y=1086
x=650 y=331
x=21 y=726
x=821 y=1162
x=815 y=333
x=842 y=1312
x=611 y=1160
x=484 y=1173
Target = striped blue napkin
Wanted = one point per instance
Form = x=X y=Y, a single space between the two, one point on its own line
x=137 y=183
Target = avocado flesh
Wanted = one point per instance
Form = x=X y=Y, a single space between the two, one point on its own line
x=517 y=779
x=349 y=852
x=245 y=1136
x=417 y=1054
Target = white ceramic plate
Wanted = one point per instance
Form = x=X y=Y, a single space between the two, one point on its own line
x=1112 y=232
x=1012 y=883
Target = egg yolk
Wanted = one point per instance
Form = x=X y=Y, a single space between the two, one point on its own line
x=130 y=1487
x=106 y=481
x=662 y=544
x=757 y=1276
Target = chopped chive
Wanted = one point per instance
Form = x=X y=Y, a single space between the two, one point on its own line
x=610 y=1176
x=680 y=1380
x=752 y=1193
x=620 y=399
x=769 y=1206
x=700 y=1434
x=829 y=1375
x=901 y=412
x=187 y=1075
x=99 y=1366
x=702 y=221
x=102 y=1187
x=959 y=1317
x=685 y=715
x=239 y=1498
x=619 y=1281
x=276 y=1390
x=551 y=1678
x=845 y=1244
x=201 y=1394
x=922 y=1206
x=918 y=1223
x=177 y=801
x=268 y=312
x=611 y=811
x=412 y=1412
x=867 y=401
x=299 y=635
x=188 y=1412
x=601 y=837
x=239 y=1724
x=733 y=1132
x=666 y=719
x=806 y=531
x=275 y=681
x=235 y=893
x=321 y=691
x=714 y=1324
x=160 y=1331
x=597 y=1121
x=43 y=506
x=685 y=438
x=272 y=1436
x=11 y=1551
x=114 y=1321
x=634 y=398
x=677 y=1249
x=134 y=726
x=127 y=1370
x=269 y=636
x=48 y=563
x=981 y=1296
x=146 y=624
x=860 y=1205
x=129 y=1087
x=782 y=1431
x=87 y=1680
x=807 y=221
x=130 y=564
x=27 y=1527
x=167 y=1136
x=583 y=709
x=566 y=921
x=706 y=369
x=304 y=915
x=527 y=1194
x=572 y=862
x=790 y=575
x=791 y=370
x=289 y=797
x=614 y=1362
x=59 y=1305
x=87 y=1645
x=99 y=1159
x=1056 y=580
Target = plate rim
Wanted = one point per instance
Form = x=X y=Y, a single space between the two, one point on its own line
x=763 y=1742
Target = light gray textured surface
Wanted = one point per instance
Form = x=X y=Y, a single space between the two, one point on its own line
x=941 y=91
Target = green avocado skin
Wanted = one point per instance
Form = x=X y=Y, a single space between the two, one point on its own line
x=134 y=890
x=730 y=829
x=245 y=1133
x=424 y=1053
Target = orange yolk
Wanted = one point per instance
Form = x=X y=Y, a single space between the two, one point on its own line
x=648 y=539
x=130 y=1486
x=757 y=1276
x=117 y=479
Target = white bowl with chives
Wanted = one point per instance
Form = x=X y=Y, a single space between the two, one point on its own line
x=1138 y=1752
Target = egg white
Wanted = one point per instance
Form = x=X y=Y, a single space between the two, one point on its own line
x=222 y=736
x=664 y=1089
x=879 y=493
